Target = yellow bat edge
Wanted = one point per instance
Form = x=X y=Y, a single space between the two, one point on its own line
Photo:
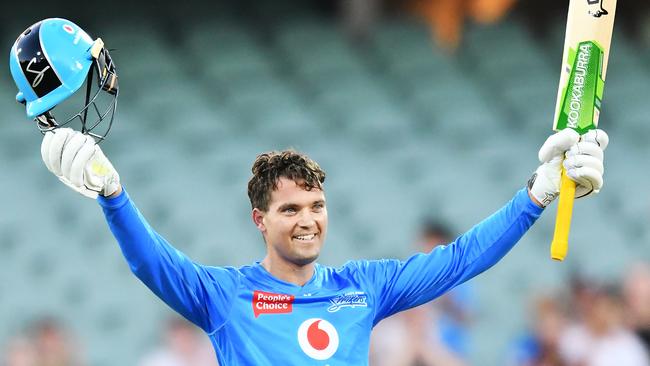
x=586 y=21
x=560 y=243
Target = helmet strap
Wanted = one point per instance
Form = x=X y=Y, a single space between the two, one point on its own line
x=89 y=84
x=46 y=121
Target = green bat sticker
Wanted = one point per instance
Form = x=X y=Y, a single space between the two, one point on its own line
x=584 y=92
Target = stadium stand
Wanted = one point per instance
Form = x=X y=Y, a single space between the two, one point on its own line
x=446 y=135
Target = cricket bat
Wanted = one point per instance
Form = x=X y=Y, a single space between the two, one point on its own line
x=589 y=28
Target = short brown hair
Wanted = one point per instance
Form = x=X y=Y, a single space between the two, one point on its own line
x=269 y=167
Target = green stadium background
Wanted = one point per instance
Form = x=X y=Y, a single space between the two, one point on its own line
x=404 y=130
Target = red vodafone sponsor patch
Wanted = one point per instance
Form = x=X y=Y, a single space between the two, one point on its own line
x=270 y=303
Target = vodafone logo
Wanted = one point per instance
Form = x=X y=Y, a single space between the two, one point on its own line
x=318 y=338
x=68 y=28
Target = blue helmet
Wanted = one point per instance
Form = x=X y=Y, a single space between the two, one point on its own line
x=50 y=61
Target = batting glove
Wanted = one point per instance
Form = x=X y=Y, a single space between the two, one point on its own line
x=79 y=162
x=583 y=163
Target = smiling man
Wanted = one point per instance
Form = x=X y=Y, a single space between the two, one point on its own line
x=288 y=202
x=287 y=309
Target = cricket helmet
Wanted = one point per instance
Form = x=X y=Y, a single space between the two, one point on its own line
x=50 y=61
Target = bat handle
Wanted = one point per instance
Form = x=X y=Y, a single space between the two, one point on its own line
x=560 y=243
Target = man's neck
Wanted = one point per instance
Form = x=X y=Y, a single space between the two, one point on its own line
x=288 y=272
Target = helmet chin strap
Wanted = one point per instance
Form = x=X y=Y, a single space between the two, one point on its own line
x=89 y=84
x=105 y=67
x=106 y=74
x=107 y=70
x=46 y=121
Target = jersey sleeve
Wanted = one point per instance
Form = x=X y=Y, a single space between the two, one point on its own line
x=201 y=294
x=400 y=285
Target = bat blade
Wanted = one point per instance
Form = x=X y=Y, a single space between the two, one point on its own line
x=590 y=24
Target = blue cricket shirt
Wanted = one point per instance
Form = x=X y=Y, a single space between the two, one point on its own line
x=253 y=318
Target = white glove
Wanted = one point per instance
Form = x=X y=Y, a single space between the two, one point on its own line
x=79 y=162
x=583 y=164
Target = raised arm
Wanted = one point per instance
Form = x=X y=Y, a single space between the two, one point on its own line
x=400 y=285
x=201 y=294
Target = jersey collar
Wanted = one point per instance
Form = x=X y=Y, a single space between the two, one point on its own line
x=276 y=282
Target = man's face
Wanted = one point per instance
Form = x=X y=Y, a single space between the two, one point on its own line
x=295 y=224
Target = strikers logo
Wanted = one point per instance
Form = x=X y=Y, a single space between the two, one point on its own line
x=318 y=338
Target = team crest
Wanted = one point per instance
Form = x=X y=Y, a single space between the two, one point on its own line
x=348 y=300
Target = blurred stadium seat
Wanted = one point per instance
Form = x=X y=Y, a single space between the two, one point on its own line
x=445 y=135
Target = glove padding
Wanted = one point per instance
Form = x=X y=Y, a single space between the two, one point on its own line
x=79 y=162
x=583 y=163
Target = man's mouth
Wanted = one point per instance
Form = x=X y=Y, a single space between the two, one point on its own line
x=304 y=237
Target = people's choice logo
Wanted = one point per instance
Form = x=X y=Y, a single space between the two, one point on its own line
x=318 y=338
x=271 y=303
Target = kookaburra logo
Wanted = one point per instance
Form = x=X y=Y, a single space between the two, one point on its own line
x=39 y=74
x=596 y=9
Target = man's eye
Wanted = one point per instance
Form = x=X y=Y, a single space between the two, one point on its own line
x=319 y=206
x=289 y=210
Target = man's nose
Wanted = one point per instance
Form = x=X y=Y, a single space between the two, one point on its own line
x=306 y=219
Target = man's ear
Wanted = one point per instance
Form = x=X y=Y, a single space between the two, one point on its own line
x=258 y=219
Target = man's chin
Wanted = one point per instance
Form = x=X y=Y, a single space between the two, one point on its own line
x=303 y=261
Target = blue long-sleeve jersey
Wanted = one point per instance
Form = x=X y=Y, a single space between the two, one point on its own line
x=253 y=318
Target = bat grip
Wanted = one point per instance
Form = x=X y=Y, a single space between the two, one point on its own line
x=560 y=243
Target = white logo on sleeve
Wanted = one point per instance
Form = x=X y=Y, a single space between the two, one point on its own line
x=318 y=338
